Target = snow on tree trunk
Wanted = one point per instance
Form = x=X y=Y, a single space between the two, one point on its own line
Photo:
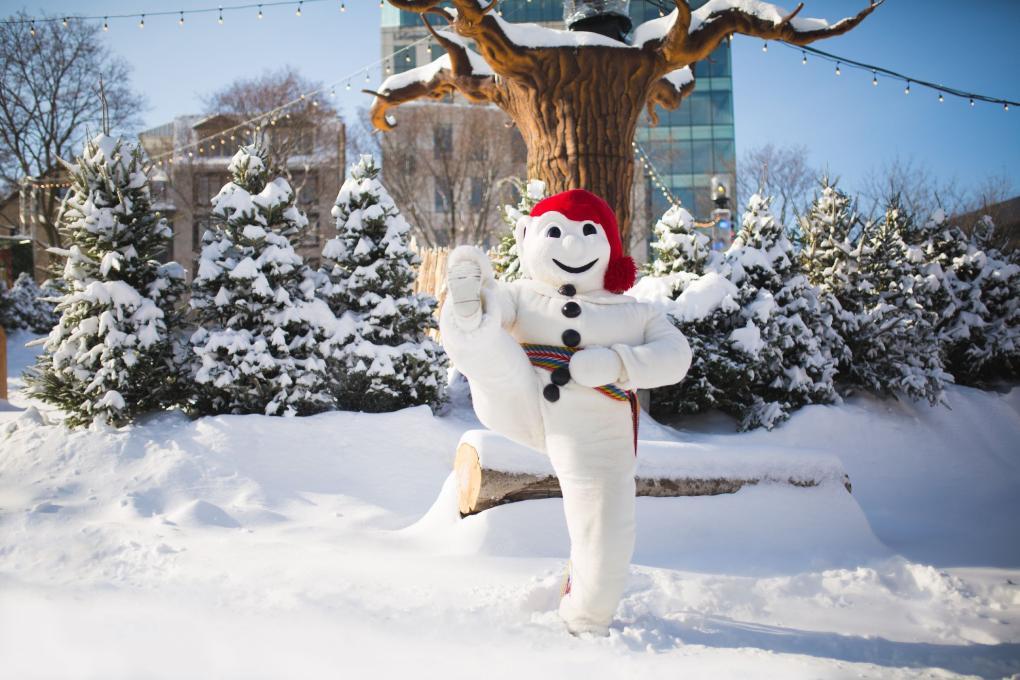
x=390 y=363
x=110 y=355
x=506 y=262
x=259 y=345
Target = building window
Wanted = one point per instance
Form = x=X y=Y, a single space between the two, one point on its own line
x=406 y=60
x=442 y=140
x=477 y=191
x=198 y=229
x=442 y=199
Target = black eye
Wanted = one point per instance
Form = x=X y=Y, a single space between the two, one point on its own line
x=589 y=229
x=554 y=232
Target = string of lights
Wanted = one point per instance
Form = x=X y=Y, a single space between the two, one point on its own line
x=260 y=121
x=653 y=174
x=942 y=90
x=180 y=14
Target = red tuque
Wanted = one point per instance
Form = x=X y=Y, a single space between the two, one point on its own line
x=578 y=205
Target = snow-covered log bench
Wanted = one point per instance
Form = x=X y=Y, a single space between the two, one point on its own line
x=491 y=470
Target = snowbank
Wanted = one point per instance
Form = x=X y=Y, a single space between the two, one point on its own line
x=261 y=547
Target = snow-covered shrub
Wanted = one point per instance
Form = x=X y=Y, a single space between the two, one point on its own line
x=368 y=278
x=262 y=331
x=505 y=262
x=110 y=355
x=761 y=333
x=676 y=247
x=975 y=296
x=26 y=305
x=879 y=288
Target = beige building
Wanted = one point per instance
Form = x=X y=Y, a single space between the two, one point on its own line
x=311 y=156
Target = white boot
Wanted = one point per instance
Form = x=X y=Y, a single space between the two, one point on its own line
x=464 y=287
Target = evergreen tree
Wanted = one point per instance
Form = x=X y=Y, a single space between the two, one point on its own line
x=768 y=347
x=505 y=262
x=676 y=247
x=27 y=305
x=390 y=363
x=783 y=325
x=110 y=355
x=976 y=301
x=875 y=285
x=258 y=348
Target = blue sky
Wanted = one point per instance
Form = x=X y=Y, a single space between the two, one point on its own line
x=847 y=124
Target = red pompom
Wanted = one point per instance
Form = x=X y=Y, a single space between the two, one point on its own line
x=620 y=275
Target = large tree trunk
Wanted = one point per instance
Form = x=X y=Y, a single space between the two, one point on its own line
x=578 y=120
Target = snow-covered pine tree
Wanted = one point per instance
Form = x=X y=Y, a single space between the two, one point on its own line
x=682 y=256
x=390 y=363
x=782 y=326
x=27 y=306
x=902 y=353
x=976 y=301
x=261 y=328
x=876 y=284
x=110 y=356
x=505 y=262
x=676 y=247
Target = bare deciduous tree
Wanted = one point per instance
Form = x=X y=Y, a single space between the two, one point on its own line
x=782 y=172
x=447 y=170
x=303 y=135
x=49 y=87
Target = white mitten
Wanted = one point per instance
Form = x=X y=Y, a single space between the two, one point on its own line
x=595 y=366
x=464 y=287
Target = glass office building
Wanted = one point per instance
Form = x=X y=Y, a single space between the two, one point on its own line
x=688 y=147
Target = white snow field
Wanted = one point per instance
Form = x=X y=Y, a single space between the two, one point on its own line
x=330 y=546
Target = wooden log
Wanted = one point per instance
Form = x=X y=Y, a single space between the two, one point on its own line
x=485 y=482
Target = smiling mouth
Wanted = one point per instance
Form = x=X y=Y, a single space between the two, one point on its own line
x=576 y=270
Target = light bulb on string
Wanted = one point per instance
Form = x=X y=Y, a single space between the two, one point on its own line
x=1005 y=106
x=906 y=90
x=220 y=20
x=180 y=22
x=941 y=98
x=106 y=24
x=32 y=29
x=803 y=58
x=65 y=22
x=141 y=22
x=343 y=7
x=874 y=79
x=764 y=47
x=348 y=85
x=260 y=12
x=298 y=11
x=366 y=76
x=332 y=92
x=838 y=72
x=972 y=101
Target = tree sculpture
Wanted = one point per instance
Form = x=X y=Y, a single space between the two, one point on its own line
x=576 y=96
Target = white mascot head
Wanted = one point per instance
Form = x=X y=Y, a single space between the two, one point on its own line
x=572 y=239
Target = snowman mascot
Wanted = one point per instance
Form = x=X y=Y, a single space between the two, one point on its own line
x=553 y=361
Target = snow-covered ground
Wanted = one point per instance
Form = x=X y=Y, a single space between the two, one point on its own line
x=259 y=547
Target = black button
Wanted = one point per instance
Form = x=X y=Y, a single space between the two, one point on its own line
x=571 y=338
x=571 y=310
x=561 y=376
x=568 y=290
x=551 y=392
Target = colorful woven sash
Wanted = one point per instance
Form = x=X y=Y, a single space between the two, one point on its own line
x=551 y=357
